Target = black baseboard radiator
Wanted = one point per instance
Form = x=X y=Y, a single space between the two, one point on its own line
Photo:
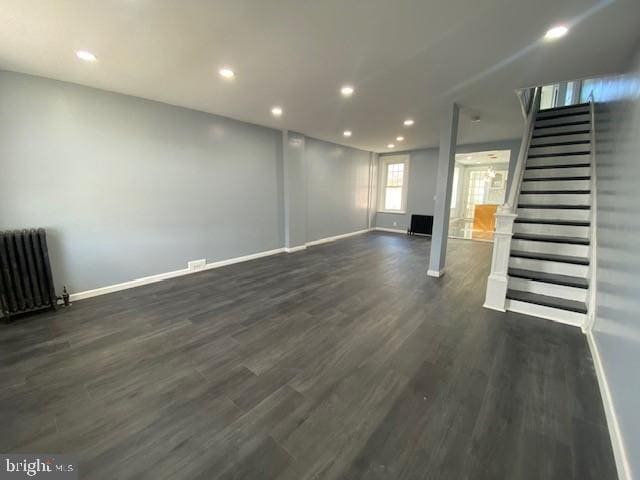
x=421 y=225
x=26 y=282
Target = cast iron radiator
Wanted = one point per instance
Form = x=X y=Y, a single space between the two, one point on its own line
x=26 y=283
x=422 y=224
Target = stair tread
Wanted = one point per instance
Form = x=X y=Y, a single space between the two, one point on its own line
x=555 y=278
x=555 y=179
x=559 y=114
x=560 y=134
x=560 y=143
x=551 y=238
x=547 y=301
x=555 y=207
x=568 y=124
x=562 y=165
x=555 y=154
x=552 y=192
x=565 y=107
x=551 y=257
x=554 y=221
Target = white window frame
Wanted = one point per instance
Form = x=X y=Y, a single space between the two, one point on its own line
x=382 y=181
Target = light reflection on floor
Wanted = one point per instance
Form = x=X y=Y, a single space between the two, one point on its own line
x=461 y=228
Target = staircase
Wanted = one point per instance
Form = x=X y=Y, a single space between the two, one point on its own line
x=548 y=267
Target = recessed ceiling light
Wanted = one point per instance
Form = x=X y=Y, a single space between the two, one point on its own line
x=556 y=32
x=347 y=133
x=86 y=56
x=276 y=111
x=399 y=139
x=227 y=73
x=408 y=122
x=347 y=91
x=391 y=145
x=469 y=157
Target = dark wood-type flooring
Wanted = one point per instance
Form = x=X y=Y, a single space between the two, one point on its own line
x=344 y=361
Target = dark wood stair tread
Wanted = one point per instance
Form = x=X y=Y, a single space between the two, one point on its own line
x=547 y=301
x=551 y=257
x=554 y=221
x=559 y=134
x=554 y=278
x=557 y=154
x=551 y=238
x=555 y=207
x=563 y=165
x=554 y=192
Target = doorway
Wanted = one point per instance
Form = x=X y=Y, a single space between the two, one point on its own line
x=479 y=186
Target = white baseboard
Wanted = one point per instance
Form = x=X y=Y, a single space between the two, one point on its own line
x=337 y=237
x=435 y=273
x=619 y=452
x=390 y=230
x=295 y=249
x=138 y=282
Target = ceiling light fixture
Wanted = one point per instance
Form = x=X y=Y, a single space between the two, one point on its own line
x=391 y=145
x=227 y=73
x=556 y=32
x=400 y=139
x=86 y=56
x=408 y=122
x=347 y=133
x=347 y=91
x=276 y=111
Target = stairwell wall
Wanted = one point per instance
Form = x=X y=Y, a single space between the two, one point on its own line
x=616 y=331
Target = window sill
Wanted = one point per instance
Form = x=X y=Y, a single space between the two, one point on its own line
x=399 y=212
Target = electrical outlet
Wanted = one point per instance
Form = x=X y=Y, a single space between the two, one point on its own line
x=196 y=264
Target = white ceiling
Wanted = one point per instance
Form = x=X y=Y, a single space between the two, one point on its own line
x=484 y=158
x=406 y=58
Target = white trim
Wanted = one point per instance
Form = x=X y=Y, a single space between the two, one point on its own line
x=397 y=212
x=617 y=443
x=435 y=273
x=382 y=180
x=295 y=249
x=138 y=282
x=337 y=237
x=566 y=317
x=390 y=230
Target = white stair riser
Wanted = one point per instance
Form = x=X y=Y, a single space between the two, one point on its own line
x=556 y=199
x=549 y=267
x=561 y=129
x=561 y=120
x=554 y=213
x=558 y=172
x=542 y=288
x=550 y=247
x=560 y=160
x=559 y=149
x=544 y=229
x=556 y=314
x=557 y=185
x=578 y=137
x=584 y=109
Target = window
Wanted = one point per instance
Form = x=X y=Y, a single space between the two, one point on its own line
x=394 y=175
x=454 y=188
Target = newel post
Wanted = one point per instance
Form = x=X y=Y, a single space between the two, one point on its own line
x=497 y=282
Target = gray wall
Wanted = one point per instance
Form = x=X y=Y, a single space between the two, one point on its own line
x=337 y=189
x=617 y=325
x=423 y=170
x=129 y=188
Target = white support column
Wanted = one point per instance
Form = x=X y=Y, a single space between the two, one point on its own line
x=446 y=166
x=295 y=191
x=497 y=282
